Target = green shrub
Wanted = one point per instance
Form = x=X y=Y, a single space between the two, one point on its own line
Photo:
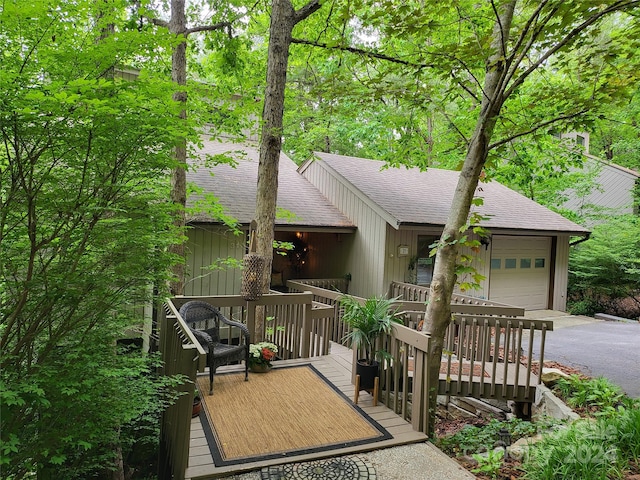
x=598 y=394
x=489 y=464
x=584 y=306
x=472 y=439
x=584 y=450
x=607 y=266
x=627 y=429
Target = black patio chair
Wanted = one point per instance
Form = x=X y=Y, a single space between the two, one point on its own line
x=218 y=353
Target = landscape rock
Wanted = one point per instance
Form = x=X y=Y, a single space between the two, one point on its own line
x=520 y=447
x=550 y=376
x=547 y=404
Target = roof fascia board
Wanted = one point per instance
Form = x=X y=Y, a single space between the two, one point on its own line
x=280 y=228
x=498 y=231
x=303 y=228
x=390 y=219
x=536 y=233
x=615 y=166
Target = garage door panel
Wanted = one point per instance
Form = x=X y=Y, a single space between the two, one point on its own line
x=519 y=272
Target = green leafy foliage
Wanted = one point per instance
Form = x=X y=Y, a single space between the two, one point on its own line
x=598 y=396
x=84 y=230
x=615 y=137
x=476 y=439
x=589 y=448
x=583 y=450
x=627 y=428
x=489 y=463
x=607 y=266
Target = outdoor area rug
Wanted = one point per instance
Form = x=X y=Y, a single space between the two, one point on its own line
x=287 y=411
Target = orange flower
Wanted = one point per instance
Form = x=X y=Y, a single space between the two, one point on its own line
x=268 y=354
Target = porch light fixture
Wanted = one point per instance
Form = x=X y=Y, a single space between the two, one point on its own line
x=485 y=241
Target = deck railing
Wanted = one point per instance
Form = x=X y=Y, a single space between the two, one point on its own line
x=492 y=357
x=483 y=353
x=404 y=382
x=459 y=303
x=478 y=331
x=181 y=355
x=294 y=322
x=324 y=296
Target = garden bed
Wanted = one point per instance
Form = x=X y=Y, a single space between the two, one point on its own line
x=598 y=438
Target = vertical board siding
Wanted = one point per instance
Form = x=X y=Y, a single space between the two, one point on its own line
x=612 y=189
x=366 y=262
x=373 y=262
x=205 y=246
x=561 y=277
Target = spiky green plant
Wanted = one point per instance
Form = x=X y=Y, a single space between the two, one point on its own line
x=368 y=320
x=627 y=428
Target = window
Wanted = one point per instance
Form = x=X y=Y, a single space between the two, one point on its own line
x=539 y=263
x=496 y=263
x=510 y=263
x=525 y=263
x=424 y=262
x=580 y=140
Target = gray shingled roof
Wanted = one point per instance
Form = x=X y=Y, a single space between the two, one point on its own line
x=236 y=189
x=414 y=197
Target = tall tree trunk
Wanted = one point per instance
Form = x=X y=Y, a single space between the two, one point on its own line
x=177 y=26
x=283 y=19
x=438 y=312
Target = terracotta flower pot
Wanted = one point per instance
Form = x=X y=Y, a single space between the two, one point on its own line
x=197 y=406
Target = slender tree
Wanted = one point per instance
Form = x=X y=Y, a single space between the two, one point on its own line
x=511 y=69
x=283 y=19
x=516 y=50
x=177 y=26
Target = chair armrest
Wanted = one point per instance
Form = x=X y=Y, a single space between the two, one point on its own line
x=203 y=338
x=241 y=326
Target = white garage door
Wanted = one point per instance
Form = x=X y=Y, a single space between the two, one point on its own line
x=519 y=272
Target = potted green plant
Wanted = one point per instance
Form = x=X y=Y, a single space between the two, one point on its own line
x=260 y=356
x=367 y=320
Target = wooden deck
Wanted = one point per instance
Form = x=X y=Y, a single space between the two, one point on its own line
x=337 y=368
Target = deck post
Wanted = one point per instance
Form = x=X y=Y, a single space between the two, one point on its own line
x=251 y=321
x=417 y=419
x=306 y=327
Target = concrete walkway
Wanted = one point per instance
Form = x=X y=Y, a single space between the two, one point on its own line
x=559 y=319
x=595 y=347
x=416 y=461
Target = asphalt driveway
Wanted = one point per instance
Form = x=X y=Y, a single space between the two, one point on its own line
x=596 y=347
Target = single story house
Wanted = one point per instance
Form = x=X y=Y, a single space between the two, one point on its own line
x=353 y=217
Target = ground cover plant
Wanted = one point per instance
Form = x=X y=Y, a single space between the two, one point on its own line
x=607 y=448
x=473 y=439
x=590 y=396
x=604 y=444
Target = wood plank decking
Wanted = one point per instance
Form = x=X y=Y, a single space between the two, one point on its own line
x=337 y=368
